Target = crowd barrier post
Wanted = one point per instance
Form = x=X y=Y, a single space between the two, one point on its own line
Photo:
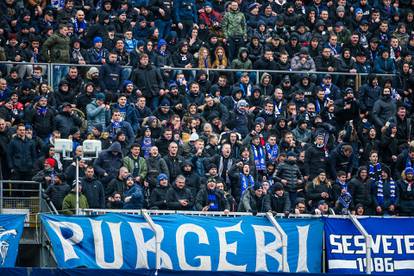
x=151 y=223
x=282 y=233
x=368 y=242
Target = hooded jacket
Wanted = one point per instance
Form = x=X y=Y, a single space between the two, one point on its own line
x=109 y=163
x=137 y=197
x=384 y=110
x=241 y=63
x=156 y=165
x=360 y=190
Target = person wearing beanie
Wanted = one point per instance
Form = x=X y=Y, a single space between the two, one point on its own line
x=56 y=192
x=385 y=194
x=133 y=194
x=47 y=176
x=277 y=200
x=158 y=198
x=252 y=200
x=97 y=54
x=406 y=191
x=69 y=202
x=211 y=199
x=97 y=112
x=359 y=188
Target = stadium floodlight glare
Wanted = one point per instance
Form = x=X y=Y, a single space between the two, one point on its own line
x=92 y=147
x=64 y=146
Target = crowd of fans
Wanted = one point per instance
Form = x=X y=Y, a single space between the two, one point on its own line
x=212 y=140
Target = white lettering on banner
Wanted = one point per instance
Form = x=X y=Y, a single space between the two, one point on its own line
x=270 y=249
x=149 y=246
x=386 y=244
x=67 y=243
x=184 y=229
x=303 y=232
x=228 y=248
x=409 y=244
x=114 y=229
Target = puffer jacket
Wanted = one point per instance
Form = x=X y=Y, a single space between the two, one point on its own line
x=137 y=197
x=315 y=159
x=174 y=164
x=384 y=109
x=158 y=199
x=406 y=206
x=275 y=203
x=249 y=202
x=204 y=198
x=289 y=171
x=360 y=191
x=94 y=192
x=156 y=165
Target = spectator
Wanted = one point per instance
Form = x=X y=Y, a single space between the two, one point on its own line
x=69 y=202
x=57 y=191
x=108 y=163
x=211 y=199
x=252 y=200
x=22 y=155
x=385 y=194
x=406 y=192
x=158 y=200
x=179 y=197
x=234 y=28
x=93 y=189
x=277 y=200
x=156 y=165
x=133 y=194
x=136 y=164
x=66 y=120
x=115 y=201
x=319 y=188
x=47 y=176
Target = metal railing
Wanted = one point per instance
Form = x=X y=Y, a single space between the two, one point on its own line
x=50 y=72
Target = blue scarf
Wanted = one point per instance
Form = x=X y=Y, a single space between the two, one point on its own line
x=246 y=181
x=408 y=163
x=374 y=172
x=42 y=111
x=344 y=186
x=212 y=201
x=259 y=157
x=380 y=192
x=272 y=152
x=146 y=146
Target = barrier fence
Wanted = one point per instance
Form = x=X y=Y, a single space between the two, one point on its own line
x=54 y=72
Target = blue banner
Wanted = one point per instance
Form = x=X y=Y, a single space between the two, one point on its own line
x=392 y=246
x=11 y=230
x=186 y=243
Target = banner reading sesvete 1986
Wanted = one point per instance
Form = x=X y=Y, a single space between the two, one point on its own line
x=392 y=246
x=187 y=243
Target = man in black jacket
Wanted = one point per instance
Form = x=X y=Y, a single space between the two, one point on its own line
x=179 y=197
x=110 y=75
x=148 y=80
x=316 y=157
x=93 y=189
x=173 y=161
x=277 y=200
x=158 y=199
x=22 y=155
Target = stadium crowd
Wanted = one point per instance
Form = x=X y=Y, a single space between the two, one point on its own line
x=212 y=140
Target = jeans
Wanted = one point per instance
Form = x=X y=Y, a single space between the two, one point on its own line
x=234 y=43
x=59 y=72
x=163 y=26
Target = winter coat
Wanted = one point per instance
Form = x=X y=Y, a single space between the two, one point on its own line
x=58 y=47
x=387 y=194
x=65 y=122
x=384 y=109
x=275 y=203
x=129 y=115
x=115 y=185
x=360 y=191
x=22 y=154
x=69 y=203
x=110 y=75
x=109 y=163
x=368 y=95
x=234 y=24
x=174 y=194
x=315 y=159
x=56 y=194
x=384 y=66
x=148 y=79
x=156 y=165
x=94 y=192
x=406 y=206
x=137 y=167
x=96 y=115
x=297 y=65
x=185 y=10
x=239 y=63
x=137 y=197
x=288 y=171
x=313 y=193
x=249 y=202
x=158 y=199
x=203 y=199
x=43 y=123
x=338 y=161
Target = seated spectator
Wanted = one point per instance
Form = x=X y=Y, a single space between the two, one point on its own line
x=277 y=200
x=210 y=198
x=179 y=197
x=115 y=201
x=252 y=200
x=133 y=194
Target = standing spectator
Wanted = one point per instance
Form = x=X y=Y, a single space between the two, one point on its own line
x=133 y=195
x=384 y=109
x=56 y=49
x=93 y=189
x=110 y=75
x=385 y=194
x=117 y=184
x=66 y=120
x=174 y=161
x=22 y=155
x=316 y=157
x=179 y=197
x=156 y=165
x=118 y=125
x=41 y=117
x=185 y=15
x=234 y=29
x=319 y=188
x=136 y=164
x=360 y=190
x=340 y=160
x=97 y=54
x=163 y=14
x=97 y=112
x=108 y=163
x=57 y=191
